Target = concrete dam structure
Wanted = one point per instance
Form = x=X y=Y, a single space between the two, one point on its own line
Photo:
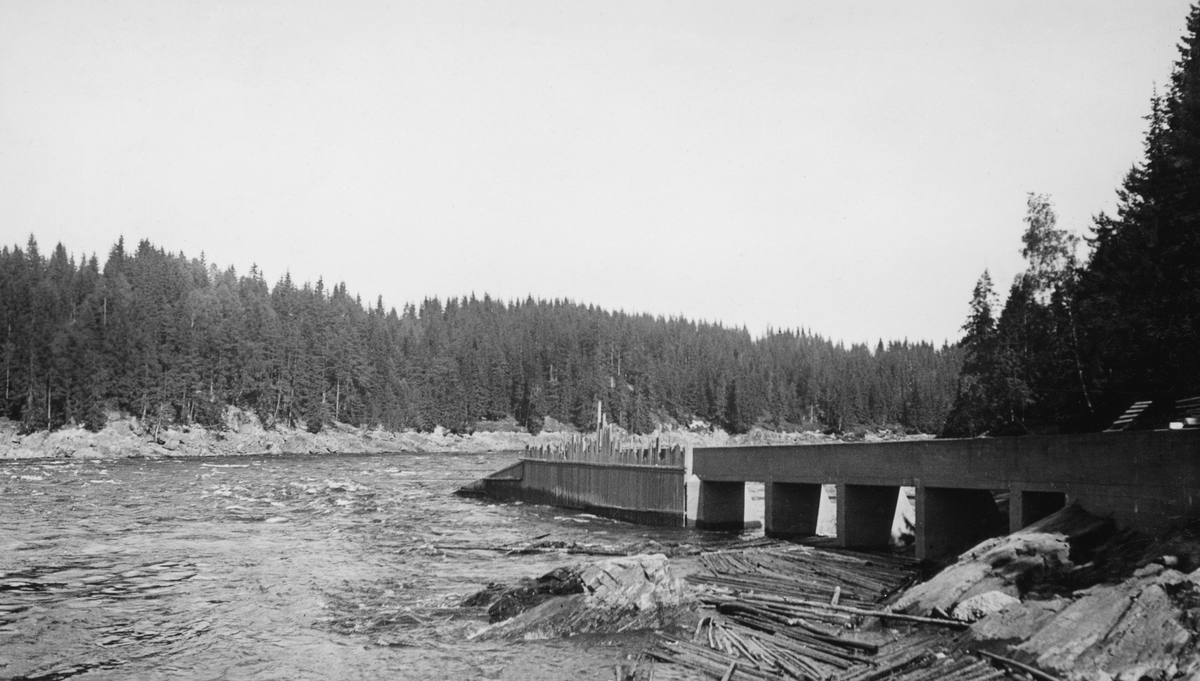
x=1147 y=480
x=599 y=475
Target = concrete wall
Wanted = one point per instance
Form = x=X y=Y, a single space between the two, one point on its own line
x=649 y=495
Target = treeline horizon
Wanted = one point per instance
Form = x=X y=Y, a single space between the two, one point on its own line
x=176 y=340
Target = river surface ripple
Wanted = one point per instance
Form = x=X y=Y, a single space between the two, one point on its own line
x=306 y=567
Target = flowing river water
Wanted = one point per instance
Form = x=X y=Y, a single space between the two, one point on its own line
x=302 y=567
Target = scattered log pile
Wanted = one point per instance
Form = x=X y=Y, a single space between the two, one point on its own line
x=795 y=612
x=807 y=573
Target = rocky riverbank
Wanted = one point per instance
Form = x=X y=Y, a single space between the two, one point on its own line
x=129 y=437
x=1070 y=598
x=1075 y=596
x=242 y=433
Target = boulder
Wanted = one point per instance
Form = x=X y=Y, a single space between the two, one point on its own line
x=88 y=453
x=507 y=603
x=614 y=595
x=982 y=605
x=1010 y=564
x=996 y=565
x=296 y=444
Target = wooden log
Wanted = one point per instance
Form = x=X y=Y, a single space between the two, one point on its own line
x=886 y=614
x=885 y=671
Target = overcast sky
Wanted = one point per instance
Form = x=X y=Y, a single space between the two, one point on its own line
x=850 y=168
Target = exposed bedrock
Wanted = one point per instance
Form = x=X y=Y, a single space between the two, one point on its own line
x=609 y=596
x=1059 y=595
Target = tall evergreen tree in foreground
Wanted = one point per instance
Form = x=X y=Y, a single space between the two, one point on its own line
x=1075 y=345
x=1139 y=295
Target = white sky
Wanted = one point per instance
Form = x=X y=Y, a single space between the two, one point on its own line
x=847 y=167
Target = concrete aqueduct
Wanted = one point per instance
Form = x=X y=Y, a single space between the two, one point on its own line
x=1147 y=480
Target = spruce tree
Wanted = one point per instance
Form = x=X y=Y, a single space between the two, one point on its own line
x=975 y=411
x=1139 y=296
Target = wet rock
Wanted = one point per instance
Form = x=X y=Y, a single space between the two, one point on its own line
x=615 y=595
x=485 y=596
x=512 y=602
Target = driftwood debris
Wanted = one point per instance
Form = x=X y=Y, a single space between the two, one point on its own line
x=809 y=573
x=774 y=617
x=788 y=612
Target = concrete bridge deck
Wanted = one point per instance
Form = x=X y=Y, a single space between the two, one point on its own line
x=1149 y=480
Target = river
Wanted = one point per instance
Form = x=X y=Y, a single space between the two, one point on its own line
x=302 y=567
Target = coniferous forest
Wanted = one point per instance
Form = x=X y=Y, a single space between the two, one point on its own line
x=1077 y=342
x=176 y=340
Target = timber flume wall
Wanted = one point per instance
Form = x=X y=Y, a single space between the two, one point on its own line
x=640 y=485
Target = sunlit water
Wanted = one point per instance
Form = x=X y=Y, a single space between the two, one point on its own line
x=275 y=568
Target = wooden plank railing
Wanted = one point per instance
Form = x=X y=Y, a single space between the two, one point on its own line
x=608 y=446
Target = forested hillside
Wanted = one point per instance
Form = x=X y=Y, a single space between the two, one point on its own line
x=174 y=339
x=1076 y=343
